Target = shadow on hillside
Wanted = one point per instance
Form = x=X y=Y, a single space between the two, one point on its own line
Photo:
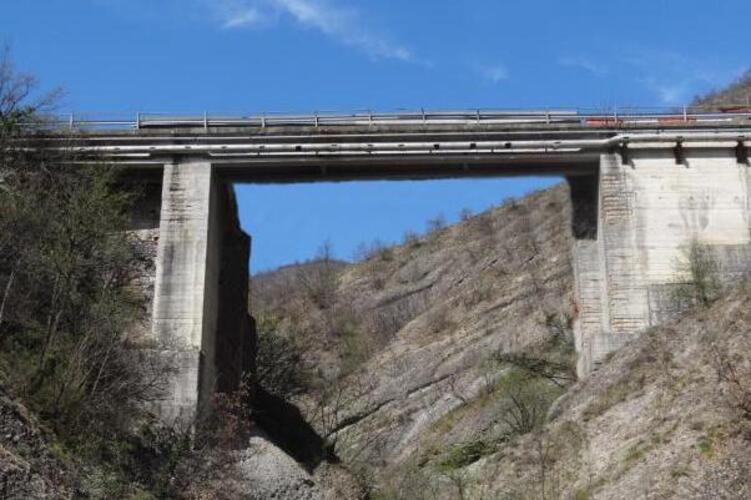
x=285 y=426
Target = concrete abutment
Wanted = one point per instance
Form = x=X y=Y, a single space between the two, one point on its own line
x=649 y=211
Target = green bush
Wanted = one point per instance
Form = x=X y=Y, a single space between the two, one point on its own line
x=68 y=298
x=702 y=271
x=529 y=398
x=279 y=364
x=465 y=454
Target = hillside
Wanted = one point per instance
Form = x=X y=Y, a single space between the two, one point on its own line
x=30 y=467
x=430 y=368
x=397 y=344
x=737 y=93
x=666 y=417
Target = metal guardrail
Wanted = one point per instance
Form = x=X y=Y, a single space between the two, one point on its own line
x=614 y=118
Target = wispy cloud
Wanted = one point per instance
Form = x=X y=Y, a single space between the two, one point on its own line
x=340 y=23
x=583 y=63
x=244 y=19
x=494 y=73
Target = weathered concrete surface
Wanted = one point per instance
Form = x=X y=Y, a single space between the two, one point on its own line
x=649 y=212
x=200 y=322
x=184 y=317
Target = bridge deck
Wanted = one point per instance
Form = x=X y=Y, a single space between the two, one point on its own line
x=307 y=148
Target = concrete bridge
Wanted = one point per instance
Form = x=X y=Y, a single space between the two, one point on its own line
x=643 y=185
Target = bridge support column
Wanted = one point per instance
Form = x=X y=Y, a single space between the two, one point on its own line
x=184 y=323
x=649 y=211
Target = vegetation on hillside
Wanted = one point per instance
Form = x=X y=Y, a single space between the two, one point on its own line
x=738 y=93
x=416 y=333
x=67 y=302
x=512 y=422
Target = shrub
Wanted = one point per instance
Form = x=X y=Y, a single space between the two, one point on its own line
x=411 y=239
x=465 y=214
x=702 y=270
x=734 y=376
x=529 y=399
x=555 y=360
x=436 y=224
x=319 y=278
x=279 y=364
x=484 y=223
x=375 y=249
x=439 y=319
x=356 y=349
x=465 y=454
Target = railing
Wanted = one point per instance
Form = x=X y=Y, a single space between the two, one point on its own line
x=611 y=118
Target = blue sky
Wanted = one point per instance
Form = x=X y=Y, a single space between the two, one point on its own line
x=246 y=56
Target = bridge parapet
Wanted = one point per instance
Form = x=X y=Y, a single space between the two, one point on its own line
x=614 y=118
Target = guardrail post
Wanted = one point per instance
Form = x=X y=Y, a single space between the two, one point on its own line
x=478 y=116
x=685 y=114
x=263 y=120
x=138 y=121
x=72 y=121
x=205 y=121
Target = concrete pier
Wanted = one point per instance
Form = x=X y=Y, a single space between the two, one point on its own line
x=185 y=315
x=200 y=322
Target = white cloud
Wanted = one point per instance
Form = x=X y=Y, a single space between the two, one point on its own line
x=243 y=19
x=339 y=23
x=494 y=73
x=584 y=63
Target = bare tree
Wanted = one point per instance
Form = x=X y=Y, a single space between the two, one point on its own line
x=735 y=379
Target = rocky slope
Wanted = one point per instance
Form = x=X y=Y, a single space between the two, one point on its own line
x=431 y=368
x=29 y=466
x=407 y=338
x=668 y=416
